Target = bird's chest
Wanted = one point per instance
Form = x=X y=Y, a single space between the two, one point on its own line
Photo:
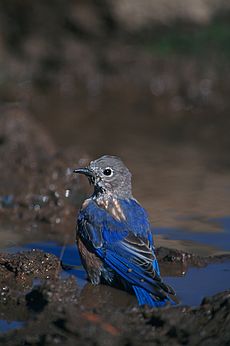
x=111 y=205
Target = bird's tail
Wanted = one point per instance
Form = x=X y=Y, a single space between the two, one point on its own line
x=146 y=298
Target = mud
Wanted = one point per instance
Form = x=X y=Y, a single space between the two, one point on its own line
x=34 y=179
x=56 y=311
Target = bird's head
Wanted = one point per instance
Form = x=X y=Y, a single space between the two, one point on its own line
x=109 y=175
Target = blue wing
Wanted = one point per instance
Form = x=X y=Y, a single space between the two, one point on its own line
x=126 y=247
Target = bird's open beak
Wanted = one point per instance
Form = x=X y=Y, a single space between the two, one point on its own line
x=88 y=172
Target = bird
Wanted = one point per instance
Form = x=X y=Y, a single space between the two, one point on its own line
x=114 y=235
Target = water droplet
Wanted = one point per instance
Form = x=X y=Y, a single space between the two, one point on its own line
x=56 y=194
x=69 y=171
x=67 y=193
x=45 y=199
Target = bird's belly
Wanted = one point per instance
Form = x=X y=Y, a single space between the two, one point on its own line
x=92 y=264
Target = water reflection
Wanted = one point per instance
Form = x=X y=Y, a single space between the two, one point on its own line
x=6 y=326
x=191 y=284
x=199 y=283
x=217 y=240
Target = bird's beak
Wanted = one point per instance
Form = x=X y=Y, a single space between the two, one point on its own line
x=86 y=171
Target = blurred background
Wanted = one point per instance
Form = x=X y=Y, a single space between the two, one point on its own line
x=142 y=79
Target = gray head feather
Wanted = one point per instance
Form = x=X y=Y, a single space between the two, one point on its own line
x=111 y=176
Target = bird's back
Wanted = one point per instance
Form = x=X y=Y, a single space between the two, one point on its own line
x=117 y=232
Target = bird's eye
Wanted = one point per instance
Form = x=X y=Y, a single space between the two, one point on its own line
x=108 y=172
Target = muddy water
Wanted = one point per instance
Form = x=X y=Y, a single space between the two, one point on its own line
x=179 y=156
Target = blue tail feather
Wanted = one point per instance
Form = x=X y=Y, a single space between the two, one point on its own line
x=145 y=297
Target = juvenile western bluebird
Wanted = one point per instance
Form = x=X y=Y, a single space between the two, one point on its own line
x=114 y=236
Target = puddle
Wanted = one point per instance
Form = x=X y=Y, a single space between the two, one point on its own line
x=6 y=326
x=191 y=286
x=219 y=240
x=198 y=283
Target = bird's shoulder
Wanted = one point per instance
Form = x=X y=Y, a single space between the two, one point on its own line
x=115 y=220
x=115 y=210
